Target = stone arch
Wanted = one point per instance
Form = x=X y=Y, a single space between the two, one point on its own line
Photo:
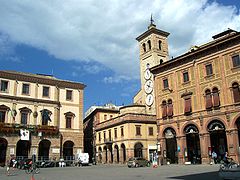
x=116 y=153
x=168 y=127
x=182 y=131
x=138 y=149
x=68 y=150
x=3 y=151
x=169 y=135
x=212 y=119
x=123 y=153
x=218 y=139
x=191 y=132
x=43 y=149
x=234 y=121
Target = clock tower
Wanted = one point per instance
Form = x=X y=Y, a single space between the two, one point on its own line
x=153 y=46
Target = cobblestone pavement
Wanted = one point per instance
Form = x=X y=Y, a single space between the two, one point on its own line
x=120 y=172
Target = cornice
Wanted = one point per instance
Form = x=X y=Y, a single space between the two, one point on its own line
x=17 y=98
x=40 y=79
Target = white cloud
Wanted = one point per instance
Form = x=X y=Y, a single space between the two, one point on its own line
x=105 y=31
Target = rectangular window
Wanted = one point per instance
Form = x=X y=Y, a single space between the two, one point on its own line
x=236 y=61
x=115 y=132
x=2 y=116
x=105 y=117
x=150 y=131
x=25 y=89
x=165 y=84
x=185 y=77
x=209 y=70
x=122 y=131
x=69 y=95
x=45 y=91
x=188 y=106
x=4 y=86
x=68 y=122
x=138 y=130
x=99 y=136
x=24 y=117
x=104 y=135
x=109 y=135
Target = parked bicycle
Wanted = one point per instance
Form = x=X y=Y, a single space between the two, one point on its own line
x=228 y=164
x=32 y=168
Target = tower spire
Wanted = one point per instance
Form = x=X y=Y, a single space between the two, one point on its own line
x=152 y=25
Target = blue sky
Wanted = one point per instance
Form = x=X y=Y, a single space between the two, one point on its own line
x=93 y=42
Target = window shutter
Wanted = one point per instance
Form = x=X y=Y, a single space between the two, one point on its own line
x=170 y=110
x=188 y=107
x=208 y=101
x=164 y=110
x=216 y=100
x=236 y=94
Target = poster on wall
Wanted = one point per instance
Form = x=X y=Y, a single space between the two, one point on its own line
x=24 y=133
x=12 y=151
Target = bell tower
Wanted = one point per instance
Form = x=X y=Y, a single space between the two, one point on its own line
x=153 y=48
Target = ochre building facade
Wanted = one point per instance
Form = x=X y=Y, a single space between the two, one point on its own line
x=198 y=102
x=41 y=115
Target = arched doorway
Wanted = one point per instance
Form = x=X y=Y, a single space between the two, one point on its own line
x=105 y=153
x=3 y=150
x=23 y=148
x=116 y=153
x=218 y=138
x=138 y=150
x=171 y=145
x=238 y=128
x=100 y=155
x=68 y=150
x=123 y=150
x=193 y=144
x=43 y=150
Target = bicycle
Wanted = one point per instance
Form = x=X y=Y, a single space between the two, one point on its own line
x=228 y=164
x=34 y=169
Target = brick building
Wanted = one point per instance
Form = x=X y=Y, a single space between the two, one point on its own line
x=198 y=101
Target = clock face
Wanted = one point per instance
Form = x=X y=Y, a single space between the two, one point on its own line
x=147 y=74
x=149 y=99
x=148 y=86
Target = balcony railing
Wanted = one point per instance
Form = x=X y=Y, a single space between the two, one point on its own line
x=14 y=128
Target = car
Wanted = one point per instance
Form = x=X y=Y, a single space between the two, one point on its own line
x=138 y=162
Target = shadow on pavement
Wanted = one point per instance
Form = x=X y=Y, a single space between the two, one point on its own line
x=209 y=175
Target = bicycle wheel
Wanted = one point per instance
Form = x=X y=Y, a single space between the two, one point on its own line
x=28 y=170
x=37 y=170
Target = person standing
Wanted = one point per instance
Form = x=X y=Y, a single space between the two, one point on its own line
x=214 y=157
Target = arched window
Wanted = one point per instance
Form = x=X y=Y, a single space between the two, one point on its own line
x=236 y=92
x=69 y=118
x=149 y=45
x=216 y=99
x=164 y=109
x=160 y=45
x=208 y=98
x=170 y=108
x=144 y=47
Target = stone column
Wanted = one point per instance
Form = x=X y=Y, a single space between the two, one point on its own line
x=181 y=142
x=204 y=144
x=232 y=143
